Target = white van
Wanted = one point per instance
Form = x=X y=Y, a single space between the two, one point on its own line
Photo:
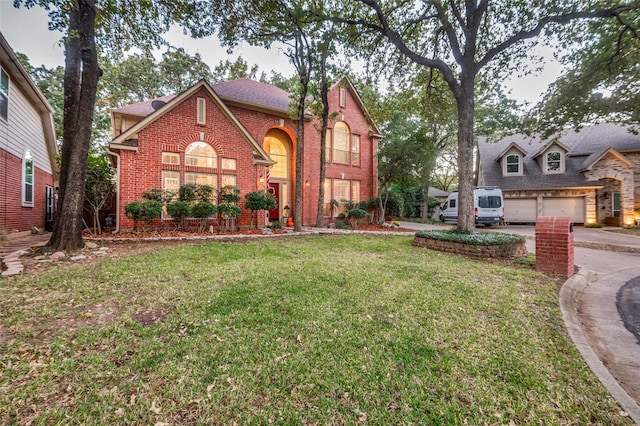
x=487 y=202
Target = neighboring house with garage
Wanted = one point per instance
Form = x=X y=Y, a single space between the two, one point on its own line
x=240 y=133
x=27 y=149
x=591 y=176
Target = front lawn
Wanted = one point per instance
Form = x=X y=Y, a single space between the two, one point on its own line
x=304 y=330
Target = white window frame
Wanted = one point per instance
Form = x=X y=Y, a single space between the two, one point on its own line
x=171 y=158
x=507 y=164
x=211 y=162
x=343 y=97
x=4 y=94
x=355 y=150
x=560 y=162
x=229 y=164
x=28 y=187
x=202 y=111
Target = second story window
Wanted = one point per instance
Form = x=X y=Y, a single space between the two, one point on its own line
x=554 y=162
x=343 y=97
x=341 y=143
x=200 y=154
x=4 y=94
x=513 y=164
x=202 y=111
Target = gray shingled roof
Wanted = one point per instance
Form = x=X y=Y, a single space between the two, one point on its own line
x=584 y=147
x=242 y=90
x=254 y=93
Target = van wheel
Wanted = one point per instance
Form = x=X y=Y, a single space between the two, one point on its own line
x=442 y=218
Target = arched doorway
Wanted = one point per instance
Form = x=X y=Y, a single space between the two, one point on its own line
x=277 y=144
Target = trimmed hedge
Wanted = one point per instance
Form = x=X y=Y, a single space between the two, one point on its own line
x=472 y=238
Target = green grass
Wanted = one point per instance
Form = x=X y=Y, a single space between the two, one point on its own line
x=314 y=330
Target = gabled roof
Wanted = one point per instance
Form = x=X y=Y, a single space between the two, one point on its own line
x=508 y=148
x=550 y=144
x=375 y=131
x=21 y=78
x=142 y=109
x=597 y=156
x=584 y=149
x=121 y=141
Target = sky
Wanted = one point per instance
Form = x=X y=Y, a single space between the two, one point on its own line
x=27 y=32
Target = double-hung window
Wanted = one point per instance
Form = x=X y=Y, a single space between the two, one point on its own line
x=513 y=164
x=554 y=161
x=341 y=143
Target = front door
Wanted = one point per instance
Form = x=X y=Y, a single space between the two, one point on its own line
x=274 y=189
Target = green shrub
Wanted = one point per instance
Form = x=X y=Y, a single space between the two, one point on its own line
x=187 y=193
x=342 y=225
x=179 y=210
x=593 y=225
x=276 y=224
x=357 y=216
x=144 y=211
x=472 y=238
x=259 y=200
x=203 y=210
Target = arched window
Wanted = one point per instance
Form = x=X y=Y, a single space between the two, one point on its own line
x=278 y=153
x=341 y=143
x=200 y=154
x=27 y=179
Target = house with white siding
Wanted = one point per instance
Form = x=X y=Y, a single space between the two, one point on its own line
x=592 y=176
x=27 y=149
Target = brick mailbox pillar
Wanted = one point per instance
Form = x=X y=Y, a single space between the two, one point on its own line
x=554 y=245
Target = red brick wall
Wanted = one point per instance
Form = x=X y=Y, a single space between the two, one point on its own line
x=554 y=245
x=13 y=216
x=142 y=170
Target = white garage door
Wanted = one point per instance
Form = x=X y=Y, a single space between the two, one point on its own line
x=572 y=207
x=519 y=210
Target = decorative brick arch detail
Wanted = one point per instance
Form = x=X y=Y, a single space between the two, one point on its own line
x=285 y=128
x=611 y=168
x=195 y=137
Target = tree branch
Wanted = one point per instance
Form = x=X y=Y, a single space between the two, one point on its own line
x=557 y=19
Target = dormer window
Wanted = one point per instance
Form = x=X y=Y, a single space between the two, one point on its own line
x=553 y=162
x=513 y=164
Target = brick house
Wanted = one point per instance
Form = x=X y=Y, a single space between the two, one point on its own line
x=27 y=149
x=239 y=133
x=591 y=176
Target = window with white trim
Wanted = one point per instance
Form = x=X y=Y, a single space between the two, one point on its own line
x=327 y=146
x=343 y=97
x=228 y=180
x=27 y=179
x=4 y=94
x=341 y=143
x=513 y=164
x=170 y=158
x=202 y=111
x=229 y=163
x=553 y=162
x=201 y=179
x=355 y=191
x=326 y=204
x=355 y=150
x=200 y=154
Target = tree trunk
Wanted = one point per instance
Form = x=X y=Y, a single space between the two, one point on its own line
x=324 y=89
x=80 y=85
x=297 y=212
x=425 y=203
x=466 y=106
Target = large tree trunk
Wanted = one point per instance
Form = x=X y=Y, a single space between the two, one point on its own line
x=80 y=85
x=324 y=89
x=466 y=106
x=297 y=212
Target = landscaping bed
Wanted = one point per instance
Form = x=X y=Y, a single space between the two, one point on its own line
x=479 y=245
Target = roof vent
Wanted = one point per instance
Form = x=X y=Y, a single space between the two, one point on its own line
x=157 y=104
